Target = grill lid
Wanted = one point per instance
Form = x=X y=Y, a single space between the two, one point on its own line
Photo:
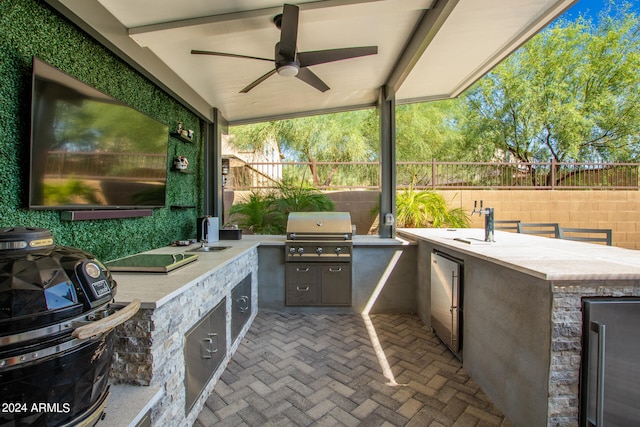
x=319 y=225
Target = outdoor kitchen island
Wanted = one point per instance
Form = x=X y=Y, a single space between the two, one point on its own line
x=522 y=313
x=202 y=309
x=149 y=364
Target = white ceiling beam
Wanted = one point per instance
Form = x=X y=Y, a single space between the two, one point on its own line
x=431 y=22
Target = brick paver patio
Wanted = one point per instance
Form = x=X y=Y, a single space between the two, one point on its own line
x=345 y=370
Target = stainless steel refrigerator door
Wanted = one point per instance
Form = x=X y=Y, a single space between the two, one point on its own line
x=610 y=394
x=445 y=301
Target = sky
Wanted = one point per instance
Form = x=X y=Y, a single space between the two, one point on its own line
x=593 y=7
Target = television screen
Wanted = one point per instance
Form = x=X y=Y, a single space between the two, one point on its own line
x=89 y=151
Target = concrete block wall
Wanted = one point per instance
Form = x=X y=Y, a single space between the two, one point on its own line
x=617 y=210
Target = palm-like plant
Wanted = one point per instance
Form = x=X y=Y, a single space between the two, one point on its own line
x=257 y=214
x=267 y=213
x=416 y=209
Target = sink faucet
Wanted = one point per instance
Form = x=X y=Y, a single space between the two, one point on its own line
x=488 y=220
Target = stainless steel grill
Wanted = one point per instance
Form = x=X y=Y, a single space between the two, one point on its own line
x=318 y=253
x=319 y=236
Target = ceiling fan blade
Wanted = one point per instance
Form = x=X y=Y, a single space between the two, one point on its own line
x=332 y=55
x=289 y=31
x=307 y=76
x=229 y=55
x=258 y=81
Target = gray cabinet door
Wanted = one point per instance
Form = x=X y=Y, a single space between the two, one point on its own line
x=240 y=306
x=336 y=284
x=205 y=348
x=303 y=284
x=610 y=394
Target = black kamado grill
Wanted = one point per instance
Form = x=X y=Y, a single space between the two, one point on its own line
x=56 y=331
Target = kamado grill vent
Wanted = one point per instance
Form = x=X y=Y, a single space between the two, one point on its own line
x=56 y=325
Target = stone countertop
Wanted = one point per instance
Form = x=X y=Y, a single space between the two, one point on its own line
x=156 y=289
x=542 y=257
x=128 y=404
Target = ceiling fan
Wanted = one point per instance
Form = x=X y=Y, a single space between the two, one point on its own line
x=289 y=62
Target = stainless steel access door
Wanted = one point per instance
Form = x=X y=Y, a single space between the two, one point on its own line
x=610 y=394
x=446 y=300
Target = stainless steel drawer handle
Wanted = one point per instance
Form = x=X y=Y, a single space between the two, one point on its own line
x=600 y=330
x=335 y=270
x=302 y=289
x=206 y=346
x=302 y=270
x=243 y=303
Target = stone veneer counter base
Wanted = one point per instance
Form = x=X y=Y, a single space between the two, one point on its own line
x=150 y=347
x=522 y=325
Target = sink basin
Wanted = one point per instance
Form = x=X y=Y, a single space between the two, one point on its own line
x=472 y=241
x=208 y=249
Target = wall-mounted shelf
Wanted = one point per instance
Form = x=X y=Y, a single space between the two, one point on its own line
x=182 y=207
x=104 y=214
x=181 y=137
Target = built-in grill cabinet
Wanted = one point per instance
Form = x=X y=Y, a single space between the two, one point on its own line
x=240 y=306
x=205 y=348
x=313 y=284
x=318 y=259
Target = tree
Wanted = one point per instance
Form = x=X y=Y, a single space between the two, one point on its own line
x=339 y=137
x=572 y=93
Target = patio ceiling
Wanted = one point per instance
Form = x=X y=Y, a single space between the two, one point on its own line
x=427 y=49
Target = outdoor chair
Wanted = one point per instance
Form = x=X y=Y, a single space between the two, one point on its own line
x=591 y=235
x=506 y=224
x=545 y=229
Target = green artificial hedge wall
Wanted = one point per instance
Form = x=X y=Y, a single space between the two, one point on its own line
x=31 y=28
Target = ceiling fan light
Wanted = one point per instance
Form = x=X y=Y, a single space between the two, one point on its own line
x=288 y=70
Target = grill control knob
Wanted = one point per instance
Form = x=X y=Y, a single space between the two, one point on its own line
x=338 y=250
x=319 y=251
x=292 y=250
x=300 y=251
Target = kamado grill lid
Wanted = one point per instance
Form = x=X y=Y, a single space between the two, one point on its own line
x=25 y=239
x=42 y=283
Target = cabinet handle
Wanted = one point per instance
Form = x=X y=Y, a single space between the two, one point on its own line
x=600 y=330
x=335 y=270
x=206 y=346
x=302 y=289
x=243 y=303
x=302 y=270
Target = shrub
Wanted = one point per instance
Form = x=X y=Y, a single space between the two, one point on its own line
x=427 y=209
x=267 y=213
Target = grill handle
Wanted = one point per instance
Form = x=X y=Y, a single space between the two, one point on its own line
x=105 y=325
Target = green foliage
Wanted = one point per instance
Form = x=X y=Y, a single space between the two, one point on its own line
x=31 y=28
x=267 y=212
x=572 y=93
x=420 y=209
x=257 y=214
x=340 y=137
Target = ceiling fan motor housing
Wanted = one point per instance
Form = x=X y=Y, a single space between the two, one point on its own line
x=286 y=67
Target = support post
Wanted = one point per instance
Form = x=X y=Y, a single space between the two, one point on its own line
x=386 y=111
x=213 y=191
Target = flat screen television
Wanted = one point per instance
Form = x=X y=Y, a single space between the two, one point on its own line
x=90 y=151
